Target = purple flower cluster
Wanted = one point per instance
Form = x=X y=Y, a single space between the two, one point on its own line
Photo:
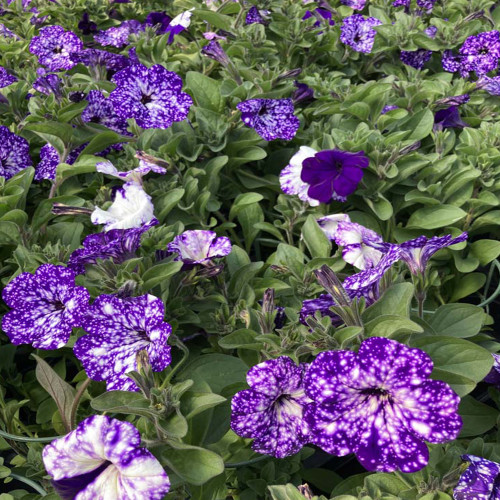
x=357 y=32
x=49 y=159
x=118 y=36
x=14 y=153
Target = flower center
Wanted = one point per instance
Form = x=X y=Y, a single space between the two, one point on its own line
x=57 y=50
x=145 y=99
x=377 y=392
x=262 y=111
x=95 y=119
x=59 y=306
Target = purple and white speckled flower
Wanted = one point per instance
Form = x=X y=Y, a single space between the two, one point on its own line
x=152 y=96
x=270 y=118
x=357 y=32
x=271 y=411
x=96 y=57
x=48 y=84
x=135 y=175
x=14 y=153
x=480 y=481
x=415 y=58
x=494 y=376
x=491 y=85
x=480 y=53
x=160 y=20
x=117 y=244
x=53 y=46
x=255 y=16
x=46 y=307
x=102 y=460
x=321 y=304
x=49 y=159
x=118 y=36
x=118 y=328
x=359 y=244
x=354 y=4
x=290 y=180
x=199 y=246
x=330 y=223
x=178 y=24
x=6 y=78
x=333 y=174
x=132 y=207
x=380 y=405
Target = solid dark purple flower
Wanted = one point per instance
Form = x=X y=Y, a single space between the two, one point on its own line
x=448 y=118
x=76 y=96
x=96 y=57
x=254 y=16
x=270 y=118
x=321 y=15
x=426 y=4
x=270 y=411
x=333 y=174
x=6 y=78
x=415 y=58
x=357 y=32
x=178 y=25
x=481 y=480
x=118 y=36
x=86 y=26
x=214 y=51
x=53 y=46
x=303 y=94
x=103 y=459
x=46 y=306
x=117 y=244
x=49 y=159
x=379 y=404
x=48 y=84
x=159 y=19
x=152 y=96
x=14 y=153
x=118 y=328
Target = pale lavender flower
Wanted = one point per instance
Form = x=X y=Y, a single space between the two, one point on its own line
x=199 y=246
x=103 y=459
x=14 y=153
x=118 y=328
x=135 y=175
x=357 y=32
x=379 y=404
x=480 y=481
x=45 y=306
x=270 y=411
x=330 y=223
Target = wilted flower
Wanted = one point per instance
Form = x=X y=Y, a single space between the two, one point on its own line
x=118 y=328
x=179 y=24
x=46 y=307
x=86 y=26
x=159 y=19
x=357 y=32
x=135 y=175
x=48 y=84
x=49 y=159
x=380 y=405
x=53 y=46
x=321 y=304
x=290 y=180
x=117 y=244
x=6 y=78
x=14 y=153
x=270 y=118
x=426 y=4
x=118 y=36
x=303 y=94
x=152 y=96
x=480 y=481
x=330 y=223
x=199 y=247
x=416 y=58
x=431 y=31
x=132 y=207
x=215 y=52
x=333 y=174
x=102 y=458
x=270 y=411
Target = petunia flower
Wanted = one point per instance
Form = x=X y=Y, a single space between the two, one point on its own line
x=117 y=244
x=330 y=223
x=255 y=16
x=303 y=94
x=49 y=159
x=199 y=247
x=53 y=46
x=290 y=180
x=320 y=15
x=323 y=303
x=132 y=207
x=86 y=26
x=415 y=58
x=48 y=84
x=379 y=404
x=95 y=57
x=178 y=24
x=214 y=51
x=152 y=96
x=14 y=153
x=270 y=118
x=118 y=36
x=160 y=20
x=359 y=244
x=481 y=480
x=491 y=85
x=357 y=32
x=448 y=118
x=494 y=376
x=135 y=175
x=354 y=4
x=270 y=411
x=389 y=107
x=333 y=174
x=6 y=78
x=480 y=53
x=118 y=328
x=45 y=306
x=102 y=459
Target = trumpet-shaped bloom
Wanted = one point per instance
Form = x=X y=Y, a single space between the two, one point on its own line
x=199 y=247
x=14 y=153
x=481 y=480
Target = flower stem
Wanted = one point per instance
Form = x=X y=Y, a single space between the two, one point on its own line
x=29 y=482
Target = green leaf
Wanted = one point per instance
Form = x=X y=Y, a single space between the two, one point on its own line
x=315 y=239
x=122 y=402
x=458 y=362
x=167 y=202
x=240 y=338
x=220 y=21
x=84 y=165
x=60 y=391
x=159 y=274
x=477 y=417
x=206 y=91
x=285 y=492
x=57 y=134
x=242 y=276
x=420 y=124
x=485 y=250
x=103 y=140
x=192 y=464
x=199 y=402
x=243 y=200
x=467 y=285
x=389 y=324
x=396 y=299
x=435 y=217
x=458 y=320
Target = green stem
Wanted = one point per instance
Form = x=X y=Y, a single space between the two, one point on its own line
x=24 y=439
x=185 y=354
x=31 y=483
x=496 y=293
x=76 y=402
